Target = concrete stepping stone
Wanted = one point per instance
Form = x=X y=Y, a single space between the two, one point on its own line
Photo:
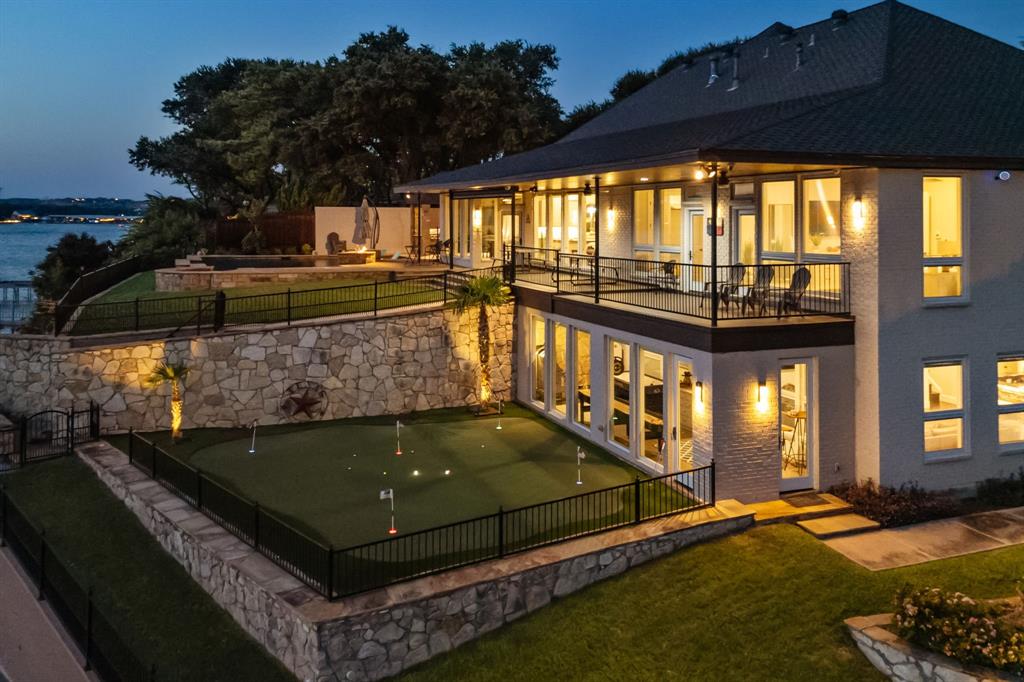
x=835 y=526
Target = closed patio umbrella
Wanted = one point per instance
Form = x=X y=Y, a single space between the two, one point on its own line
x=362 y=223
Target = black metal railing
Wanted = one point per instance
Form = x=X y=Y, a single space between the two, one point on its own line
x=47 y=434
x=340 y=572
x=91 y=284
x=769 y=290
x=218 y=311
x=101 y=647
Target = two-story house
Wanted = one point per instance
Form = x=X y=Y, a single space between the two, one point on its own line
x=802 y=256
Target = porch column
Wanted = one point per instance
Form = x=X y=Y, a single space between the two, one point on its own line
x=713 y=231
x=451 y=231
x=512 y=247
x=597 y=238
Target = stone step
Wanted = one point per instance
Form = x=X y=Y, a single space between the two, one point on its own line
x=834 y=526
x=795 y=508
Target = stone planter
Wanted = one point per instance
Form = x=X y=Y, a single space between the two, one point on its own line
x=901 y=661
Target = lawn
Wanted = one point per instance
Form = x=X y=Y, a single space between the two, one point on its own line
x=116 y=310
x=326 y=477
x=161 y=613
x=767 y=604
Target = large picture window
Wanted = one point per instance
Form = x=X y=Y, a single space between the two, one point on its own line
x=778 y=230
x=537 y=353
x=583 y=390
x=619 y=365
x=1010 y=400
x=942 y=214
x=821 y=235
x=943 y=384
x=540 y=221
x=643 y=218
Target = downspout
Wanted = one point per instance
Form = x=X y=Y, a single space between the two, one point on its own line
x=714 y=244
x=451 y=231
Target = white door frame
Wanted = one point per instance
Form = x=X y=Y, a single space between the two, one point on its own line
x=690 y=281
x=810 y=479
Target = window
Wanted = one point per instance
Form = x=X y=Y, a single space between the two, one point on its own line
x=821 y=217
x=943 y=406
x=671 y=219
x=540 y=222
x=746 y=238
x=1010 y=400
x=643 y=217
x=572 y=223
x=618 y=405
x=942 y=237
x=777 y=217
x=558 y=392
x=589 y=219
x=537 y=359
x=583 y=392
x=485 y=224
x=653 y=407
x=555 y=218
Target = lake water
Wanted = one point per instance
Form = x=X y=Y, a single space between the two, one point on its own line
x=23 y=245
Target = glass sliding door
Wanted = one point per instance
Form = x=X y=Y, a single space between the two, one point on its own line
x=572 y=223
x=684 y=415
x=560 y=341
x=796 y=420
x=581 y=350
x=485 y=224
x=540 y=222
x=537 y=364
x=652 y=397
x=555 y=218
x=619 y=394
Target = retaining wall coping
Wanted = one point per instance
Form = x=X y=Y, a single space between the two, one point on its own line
x=901 y=661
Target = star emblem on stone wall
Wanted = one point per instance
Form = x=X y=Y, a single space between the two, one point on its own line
x=305 y=397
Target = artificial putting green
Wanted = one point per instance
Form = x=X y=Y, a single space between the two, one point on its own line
x=326 y=477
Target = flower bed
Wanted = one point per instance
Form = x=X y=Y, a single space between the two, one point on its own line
x=900 y=506
x=972 y=632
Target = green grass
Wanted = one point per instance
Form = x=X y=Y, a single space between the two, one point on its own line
x=115 y=310
x=767 y=604
x=162 y=614
x=325 y=477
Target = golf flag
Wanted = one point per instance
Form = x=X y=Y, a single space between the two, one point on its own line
x=579 y=453
x=387 y=494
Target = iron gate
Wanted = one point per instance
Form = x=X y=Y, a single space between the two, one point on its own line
x=47 y=434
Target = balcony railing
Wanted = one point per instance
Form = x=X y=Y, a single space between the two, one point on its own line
x=740 y=292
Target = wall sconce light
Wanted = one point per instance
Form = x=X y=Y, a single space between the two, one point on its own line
x=762 y=396
x=478 y=218
x=698 y=395
x=699 y=174
x=858 y=214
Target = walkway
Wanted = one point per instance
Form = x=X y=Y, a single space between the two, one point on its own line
x=30 y=646
x=895 y=547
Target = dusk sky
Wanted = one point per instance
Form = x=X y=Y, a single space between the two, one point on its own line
x=82 y=80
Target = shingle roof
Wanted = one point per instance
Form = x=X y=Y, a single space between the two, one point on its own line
x=892 y=84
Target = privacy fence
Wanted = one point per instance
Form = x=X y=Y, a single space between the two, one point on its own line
x=337 y=572
x=102 y=648
x=182 y=315
x=47 y=434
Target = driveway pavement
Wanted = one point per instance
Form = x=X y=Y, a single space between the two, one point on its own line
x=31 y=650
x=909 y=545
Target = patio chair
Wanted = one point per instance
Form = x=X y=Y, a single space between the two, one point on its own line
x=791 y=297
x=667 y=275
x=759 y=292
x=730 y=289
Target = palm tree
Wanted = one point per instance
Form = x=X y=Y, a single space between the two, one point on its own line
x=173 y=374
x=482 y=292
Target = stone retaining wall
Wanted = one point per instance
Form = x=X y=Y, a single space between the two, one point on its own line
x=182 y=279
x=381 y=633
x=901 y=661
x=391 y=364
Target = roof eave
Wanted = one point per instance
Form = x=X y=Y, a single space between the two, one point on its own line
x=425 y=185
x=869 y=160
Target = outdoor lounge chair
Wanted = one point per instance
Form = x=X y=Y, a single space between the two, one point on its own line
x=666 y=275
x=757 y=295
x=791 y=297
x=729 y=290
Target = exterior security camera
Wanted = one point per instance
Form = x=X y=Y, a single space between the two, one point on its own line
x=1003 y=175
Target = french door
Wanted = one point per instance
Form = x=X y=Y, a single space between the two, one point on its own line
x=797 y=406
x=693 y=229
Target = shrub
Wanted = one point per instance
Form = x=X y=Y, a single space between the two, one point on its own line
x=960 y=627
x=254 y=242
x=1002 y=492
x=900 y=506
x=172 y=228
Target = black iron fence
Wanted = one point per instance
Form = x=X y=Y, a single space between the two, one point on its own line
x=197 y=314
x=335 y=572
x=47 y=434
x=741 y=291
x=91 y=284
x=102 y=649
